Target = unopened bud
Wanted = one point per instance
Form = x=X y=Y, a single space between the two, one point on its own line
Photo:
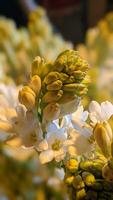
x=80 y=194
x=27 y=97
x=78 y=182
x=72 y=165
x=36 y=65
x=35 y=84
x=52 y=96
x=51 y=77
x=73 y=87
x=88 y=178
x=56 y=85
x=69 y=180
x=102 y=138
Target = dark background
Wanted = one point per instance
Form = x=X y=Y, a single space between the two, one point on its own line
x=90 y=12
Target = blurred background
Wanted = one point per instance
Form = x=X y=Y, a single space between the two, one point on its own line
x=70 y=17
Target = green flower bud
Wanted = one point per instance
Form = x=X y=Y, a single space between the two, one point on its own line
x=88 y=178
x=107 y=186
x=97 y=186
x=78 y=182
x=52 y=96
x=56 y=85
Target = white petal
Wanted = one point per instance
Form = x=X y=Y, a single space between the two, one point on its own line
x=95 y=111
x=78 y=113
x=46 y=156
x=51 y=127
x=107 y=109
x=84 y=116
x=94 y=107
x=60 y=173
x=82 y=145
x=59 y=155
x=43 y=145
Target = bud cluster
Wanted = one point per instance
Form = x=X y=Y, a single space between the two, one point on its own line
x=53 y=85
x=85 y=182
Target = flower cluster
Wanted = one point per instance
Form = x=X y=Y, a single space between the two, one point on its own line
x=47 y=115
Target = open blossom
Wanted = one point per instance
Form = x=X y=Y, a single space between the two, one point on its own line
x=60 y=141
x=100 y=113
x=8 y=101
x=53 y=147
x=79 y=122
x=15 y=119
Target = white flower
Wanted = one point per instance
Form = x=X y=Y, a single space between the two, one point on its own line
x=78 y=120
x=79 y=144
x=27 y=127
x=8 y=99
x=100 y=113
x=15 y=119
x=53 y=147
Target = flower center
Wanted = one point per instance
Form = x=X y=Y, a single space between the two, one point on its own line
x=56 y=145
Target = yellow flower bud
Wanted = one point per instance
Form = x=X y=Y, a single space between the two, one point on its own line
x=80 y=194
x=71 y=79
x=79 y=75
x=67 y=97
x=102 y=138
x=69 y=180
x=27 y=97
x=88 y=178
x=35 y=84
x=52 y=96
x=72 y=165
x=36 y=65
x=78 y=183
x=56 y=85
x=51 y=77
x=73 y=87
x=51 y=111
x=64 y=77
